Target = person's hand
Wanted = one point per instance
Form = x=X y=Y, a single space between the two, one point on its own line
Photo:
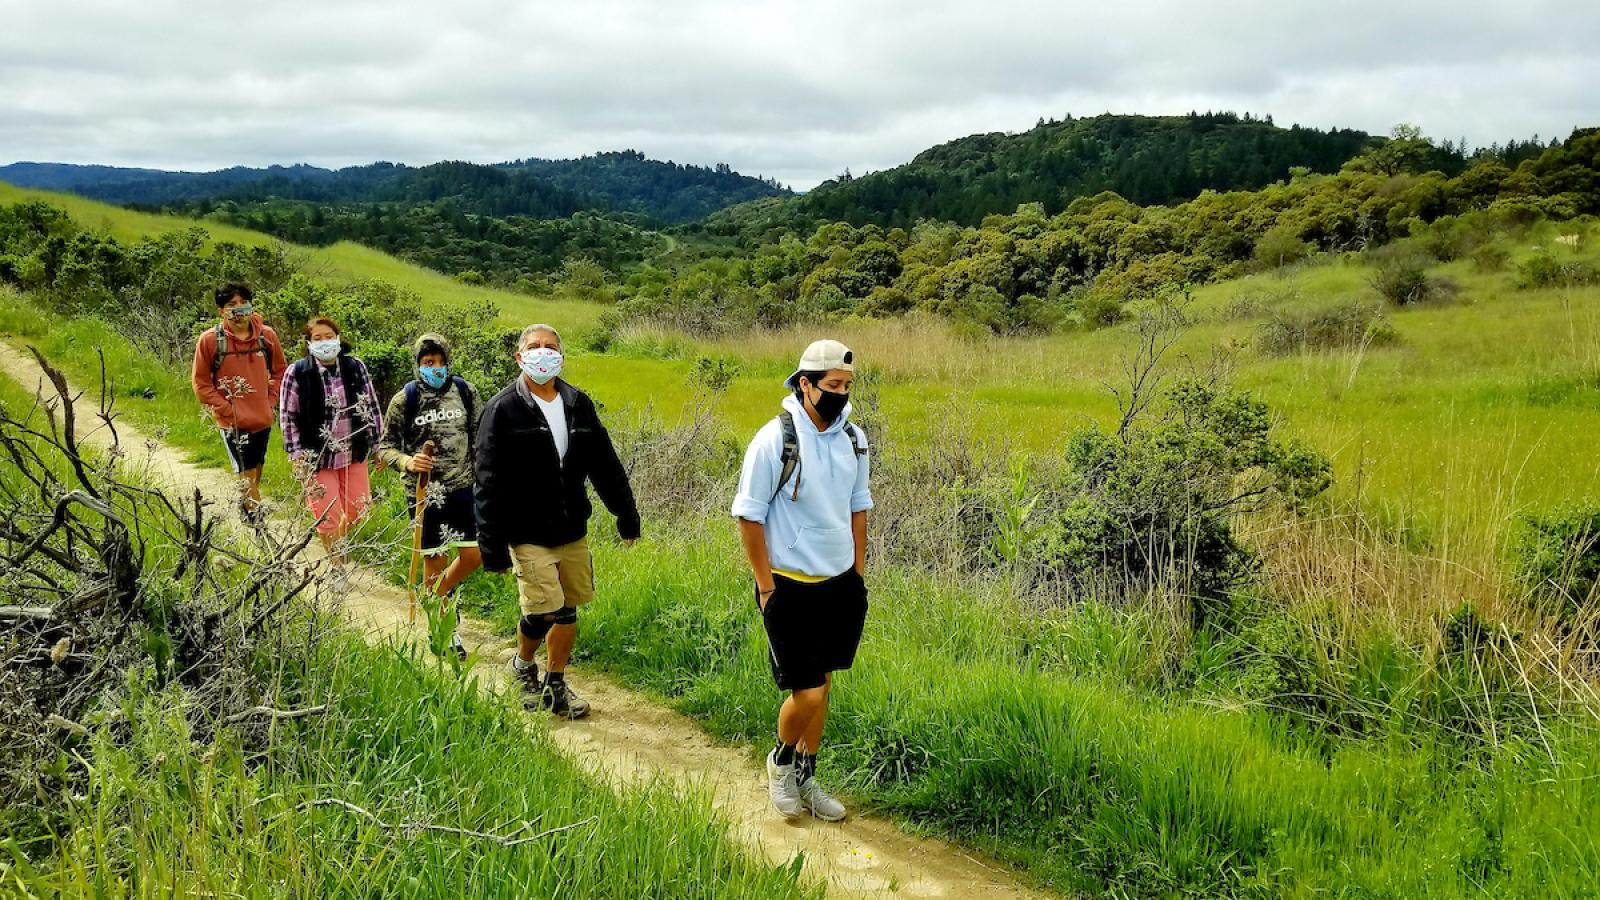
x=629 y=542
x=764 y=594
x=422 y=462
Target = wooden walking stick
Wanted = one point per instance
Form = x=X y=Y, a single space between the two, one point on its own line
x=416 y=531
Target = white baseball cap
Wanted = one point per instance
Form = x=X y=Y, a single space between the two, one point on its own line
x=822 y=356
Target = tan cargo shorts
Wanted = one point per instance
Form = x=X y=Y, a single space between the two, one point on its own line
x=549 y=578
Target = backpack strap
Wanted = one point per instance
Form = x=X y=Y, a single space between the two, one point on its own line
x=465 y=390
x=790 y=459
x=855 y=438
x=413 y=401
x=222 y=350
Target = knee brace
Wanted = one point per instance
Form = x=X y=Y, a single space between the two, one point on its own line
x=535 y=626
x=566 y=615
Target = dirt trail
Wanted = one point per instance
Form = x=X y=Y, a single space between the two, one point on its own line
x=629 y=736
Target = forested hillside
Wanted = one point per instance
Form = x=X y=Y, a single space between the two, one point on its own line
x=1145 y=159
x=541 y=188
x=671 y=192
x=1031 y=269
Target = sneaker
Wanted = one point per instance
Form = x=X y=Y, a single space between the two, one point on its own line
x=252 y=514
x=529 y=677
x=820 y=802
x=558 y=698
x=782 y=788
x=461 y=649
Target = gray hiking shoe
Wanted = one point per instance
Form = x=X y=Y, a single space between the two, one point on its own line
x=528 y=678
x=820 y=802
x=460 y=649
x=558 y=698
x=782 y=788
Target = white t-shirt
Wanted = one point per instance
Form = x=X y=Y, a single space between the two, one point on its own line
x=556 y=415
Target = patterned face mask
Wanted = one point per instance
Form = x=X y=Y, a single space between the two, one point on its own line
x=324 y=350
x=434 y=376
x=541 y=364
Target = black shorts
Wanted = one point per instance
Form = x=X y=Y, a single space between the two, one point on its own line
x=813 y=629
x=451 y=524
x=246 y=449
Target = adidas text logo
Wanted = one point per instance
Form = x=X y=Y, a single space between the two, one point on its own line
x=434 y=417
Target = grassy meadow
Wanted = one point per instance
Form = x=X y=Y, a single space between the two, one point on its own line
x=1344 y=738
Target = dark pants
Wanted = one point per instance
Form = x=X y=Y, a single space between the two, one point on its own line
x=813 y=629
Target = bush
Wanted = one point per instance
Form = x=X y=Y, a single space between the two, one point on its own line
x=1490 y=258
x=1544 y=270
x=1341 y=327
x=1450 y=238
x=1281 y=246
x=1096 y=308
x=1400 y=275
x=1557 y=559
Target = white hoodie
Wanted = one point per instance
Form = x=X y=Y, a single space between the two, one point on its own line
x=810 y=535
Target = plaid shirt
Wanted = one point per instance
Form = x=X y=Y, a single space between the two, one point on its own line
x=347 y=420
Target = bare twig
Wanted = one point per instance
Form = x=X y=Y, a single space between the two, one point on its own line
x=277 y=714
x=64 y=724
x=26 y=614
x=506 y=840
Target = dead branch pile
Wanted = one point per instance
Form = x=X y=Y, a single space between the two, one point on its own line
x=107 y=583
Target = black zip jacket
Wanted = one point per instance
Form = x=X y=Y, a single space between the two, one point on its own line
x=526 y=494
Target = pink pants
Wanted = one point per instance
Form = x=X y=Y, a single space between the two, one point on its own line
x=339 y=497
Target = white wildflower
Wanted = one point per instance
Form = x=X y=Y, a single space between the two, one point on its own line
x=235 y=386
x=434 y=499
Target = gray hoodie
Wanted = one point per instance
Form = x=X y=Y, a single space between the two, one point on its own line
x=441 y=417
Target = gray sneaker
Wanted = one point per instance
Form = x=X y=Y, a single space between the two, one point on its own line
x=782 y=789
x=820 y=802
x=528 y=678
x=558 y=698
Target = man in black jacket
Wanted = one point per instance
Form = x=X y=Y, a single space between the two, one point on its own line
x=539 y=440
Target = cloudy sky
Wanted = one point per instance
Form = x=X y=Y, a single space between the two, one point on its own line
x=798 y=91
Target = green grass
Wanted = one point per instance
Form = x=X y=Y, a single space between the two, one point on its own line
x=343 y=262
x=1053 y=738
x=1030 y=736
x=1480 y=411
x=177 y=804
x=407 y=742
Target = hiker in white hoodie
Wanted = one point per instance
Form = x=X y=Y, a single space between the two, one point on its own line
x=802 y=513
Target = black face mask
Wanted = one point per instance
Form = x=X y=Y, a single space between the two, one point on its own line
x=829 y=405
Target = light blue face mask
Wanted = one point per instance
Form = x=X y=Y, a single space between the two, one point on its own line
x=327 y=350
x=434 y=376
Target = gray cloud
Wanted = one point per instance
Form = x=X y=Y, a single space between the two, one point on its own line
x=795 y=91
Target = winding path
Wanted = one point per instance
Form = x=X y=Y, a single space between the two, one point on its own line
x=630 y=736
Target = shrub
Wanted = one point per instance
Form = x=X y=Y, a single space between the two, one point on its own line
x=1340 y=327
x=1490 y=258
x=1400 y=275
x=1557 y=559
x=1096 y=308
x=1544 y=270
x=1281 y=246
x=1450 y=238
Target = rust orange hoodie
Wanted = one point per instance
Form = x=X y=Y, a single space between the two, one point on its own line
x=244 y=391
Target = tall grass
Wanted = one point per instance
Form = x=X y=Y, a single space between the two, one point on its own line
x=1040 y=737
x=412 y=746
